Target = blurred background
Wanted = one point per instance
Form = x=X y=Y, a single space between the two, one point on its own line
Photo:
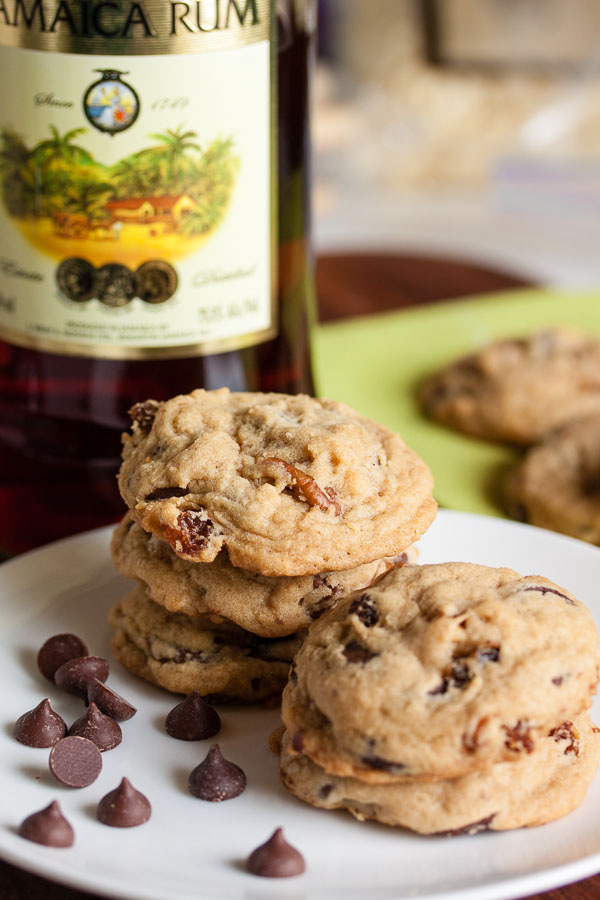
x=468 y=129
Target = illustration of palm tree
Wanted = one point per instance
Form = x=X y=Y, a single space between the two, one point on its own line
x=18 y=180
x=174 y=152
x=131 y=180
x=88 y=194
x=60 y=151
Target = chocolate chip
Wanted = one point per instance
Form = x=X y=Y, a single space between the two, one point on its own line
x=366 y=609
x=558 y=680
x=101 y=730
x=124 y=807
x=193 y=719
x=275 y=858
x=460 y=675
x=548 y=590
x=216 y=778
x=75 y=675
x=40 y=727
x=192 y=533
x=293 y=672
x=75 y=762
x=166 y=493
x=108 y=701
x=489 y=653
x=356 y=653
x=59 y=649
x=325 y=790
x=471 y=828
x=144 y=413
x=48 y=826
x=383 y=765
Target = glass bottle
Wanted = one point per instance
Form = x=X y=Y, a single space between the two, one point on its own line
x=112 y=218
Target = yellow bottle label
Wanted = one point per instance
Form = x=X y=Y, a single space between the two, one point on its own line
x=137 y=176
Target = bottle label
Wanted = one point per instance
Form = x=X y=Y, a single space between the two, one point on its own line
x=137 y=188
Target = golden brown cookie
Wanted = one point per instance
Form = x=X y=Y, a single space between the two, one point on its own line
x=534 y=789
x=183 y=654
x=290 y=485
x=557 y=484
x=518 y=390
x=265 y=605
x=440 y=670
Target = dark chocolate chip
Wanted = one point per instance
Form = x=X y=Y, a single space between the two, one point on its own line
x=40 y=727
x=143 y=413
x=489 y=653
x=356 y=653
x=460 y=674
x=441 y=688
x=75 y=675
x=59 y=649
x=216 y=778
x=193 y=719
x=558 y=680
x=124 y=807
x=275 y=858
x=108 y=701
x=165 y=493
x=101 y=730
x=383 y=765
x=325 y=790
x=365 y=608
x=49 y=827
x=75 y=762
x=471 y=828
x=548 y=590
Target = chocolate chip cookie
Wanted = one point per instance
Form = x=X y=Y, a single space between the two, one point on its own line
x=557 y=484
x=267 y=606
x=534 y=789
x=290 y=485
x=518 y=390
x=184 y=654
x=438 y=671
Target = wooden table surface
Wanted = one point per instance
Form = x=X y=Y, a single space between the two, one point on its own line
x=351 y=285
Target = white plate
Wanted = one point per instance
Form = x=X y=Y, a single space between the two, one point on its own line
x=191 y=850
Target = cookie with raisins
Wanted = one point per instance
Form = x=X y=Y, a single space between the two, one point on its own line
x=557 y=484
x=266 y=605
x=533 y=789
x=206 y=654
x=289 y=485
x=440 y=670
x=518 y=390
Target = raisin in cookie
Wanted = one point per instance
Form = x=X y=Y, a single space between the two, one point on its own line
x=289 y=485
x=438 y=671
x=268 y=606
x=557 y=484
x=518 y=390
x=534 y=789
x=184 y=654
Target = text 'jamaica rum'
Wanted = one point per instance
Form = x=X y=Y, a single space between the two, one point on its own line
x=154 y=229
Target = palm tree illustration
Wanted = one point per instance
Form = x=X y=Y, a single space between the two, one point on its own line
x=173 y=154
x=18 y=177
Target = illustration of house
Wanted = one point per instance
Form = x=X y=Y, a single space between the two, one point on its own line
x=140 y=210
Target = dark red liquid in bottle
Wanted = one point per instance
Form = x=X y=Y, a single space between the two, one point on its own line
x=61 y=417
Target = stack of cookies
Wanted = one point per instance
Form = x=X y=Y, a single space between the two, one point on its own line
x=447 y=699
x=540 y=392
x=250 y=515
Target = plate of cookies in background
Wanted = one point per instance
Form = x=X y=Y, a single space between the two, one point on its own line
x=285 y=674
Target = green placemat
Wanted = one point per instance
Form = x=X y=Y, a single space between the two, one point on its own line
x=373 y=364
